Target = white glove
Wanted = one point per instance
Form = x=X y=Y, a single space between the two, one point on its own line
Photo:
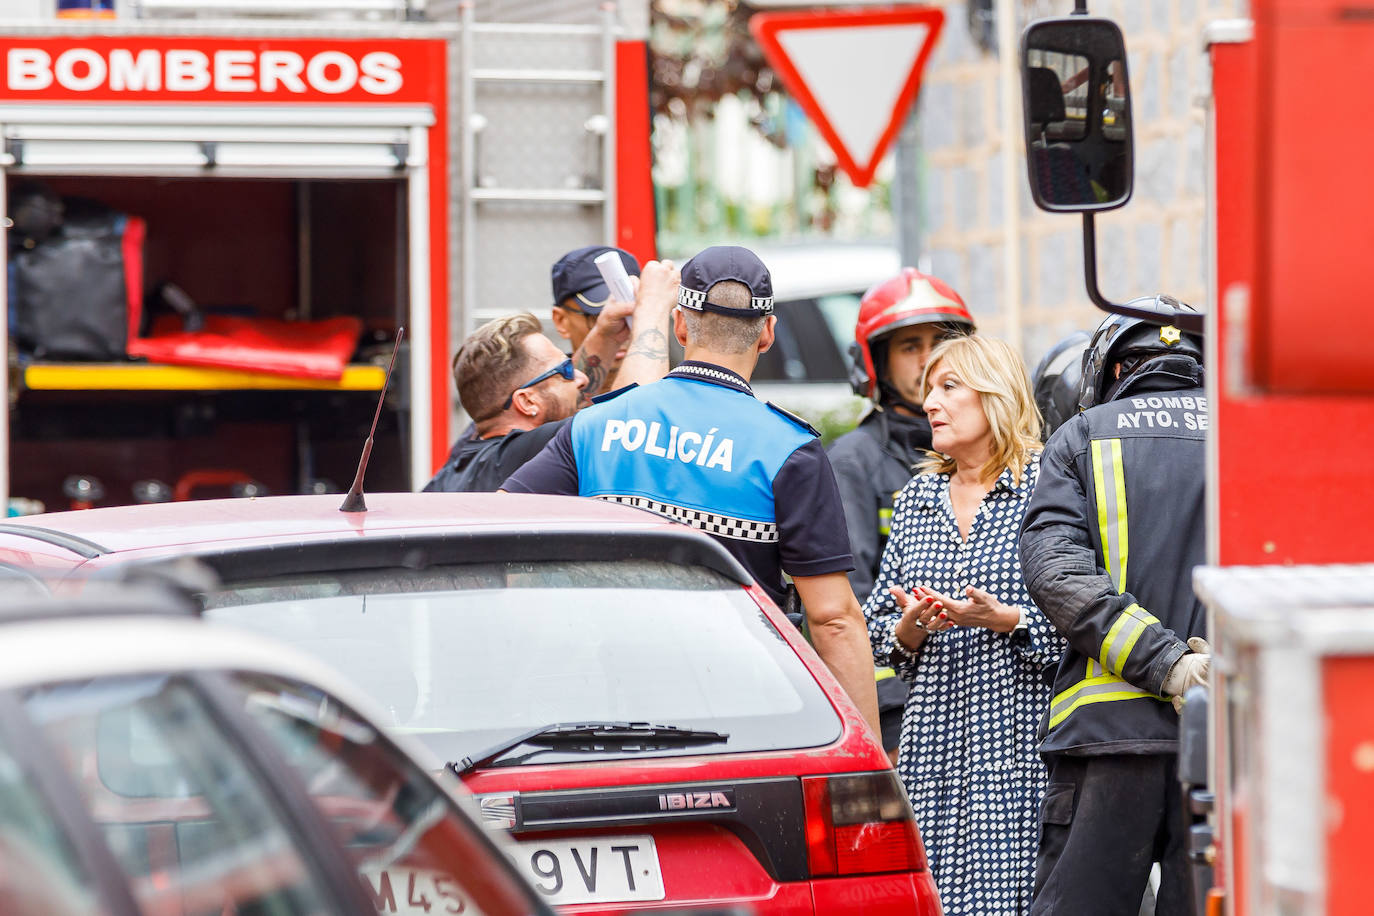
x=1189 y=671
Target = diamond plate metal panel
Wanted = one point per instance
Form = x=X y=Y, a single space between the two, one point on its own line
x=535 y=88
x=535 y=136
x=550 y=47
x=517 y=244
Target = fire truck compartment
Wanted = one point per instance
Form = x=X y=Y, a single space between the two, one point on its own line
x=284 y=248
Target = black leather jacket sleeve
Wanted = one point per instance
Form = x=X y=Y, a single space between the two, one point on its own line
x=1063 y=573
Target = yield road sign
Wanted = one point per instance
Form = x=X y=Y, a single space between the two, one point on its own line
x=855 y=72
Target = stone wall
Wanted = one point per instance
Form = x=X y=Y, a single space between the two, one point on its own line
x=1156 y=243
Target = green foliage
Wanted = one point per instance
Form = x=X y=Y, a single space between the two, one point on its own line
x=832 y=424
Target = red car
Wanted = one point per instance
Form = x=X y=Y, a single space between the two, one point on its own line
x=613 y=686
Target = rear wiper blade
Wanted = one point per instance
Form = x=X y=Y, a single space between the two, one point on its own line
x=592 y=736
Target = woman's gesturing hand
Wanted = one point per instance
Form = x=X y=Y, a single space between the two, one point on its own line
x=978 y=609
x=922 y=615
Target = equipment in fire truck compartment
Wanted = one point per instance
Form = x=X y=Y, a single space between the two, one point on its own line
x=75 y=275
x=77 y=294
x=229 y=350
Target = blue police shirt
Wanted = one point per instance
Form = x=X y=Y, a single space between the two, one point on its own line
x=698 y=447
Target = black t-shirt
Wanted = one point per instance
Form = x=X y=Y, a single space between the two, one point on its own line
x=480 y=465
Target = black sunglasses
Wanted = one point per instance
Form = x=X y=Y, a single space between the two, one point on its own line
x=564 y=369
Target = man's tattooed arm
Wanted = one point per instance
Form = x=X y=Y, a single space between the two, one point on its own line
x=646 y=359
x=652 y=344
x=596 y=357
x=589 y=364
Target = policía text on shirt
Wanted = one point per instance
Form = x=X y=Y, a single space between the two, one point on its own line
x=682 y=444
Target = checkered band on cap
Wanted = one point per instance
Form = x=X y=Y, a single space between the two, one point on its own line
x=740 y=529
x=695 y=300
x=690 y=298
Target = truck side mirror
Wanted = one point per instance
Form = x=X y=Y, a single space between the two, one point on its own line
x=1077 y=101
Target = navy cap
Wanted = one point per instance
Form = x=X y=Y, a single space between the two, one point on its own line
x=726 y=262
x=576 y=276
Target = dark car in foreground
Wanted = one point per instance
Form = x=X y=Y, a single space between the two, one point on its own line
x=153 y=764
x=613 y=687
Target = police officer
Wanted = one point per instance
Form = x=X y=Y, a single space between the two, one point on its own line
x=1110 y=538
x=698 y=447
x=900 y=322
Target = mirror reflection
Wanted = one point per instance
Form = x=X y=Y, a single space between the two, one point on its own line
x=1078 y=118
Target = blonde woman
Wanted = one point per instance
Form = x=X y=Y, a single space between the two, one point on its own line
x=951 y=614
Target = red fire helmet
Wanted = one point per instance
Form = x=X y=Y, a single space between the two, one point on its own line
x=911 y=297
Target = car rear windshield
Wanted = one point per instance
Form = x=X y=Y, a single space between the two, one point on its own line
x=467 y=656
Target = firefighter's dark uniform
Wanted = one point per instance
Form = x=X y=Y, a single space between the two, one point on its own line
x=872 y=463
x=1110 y=538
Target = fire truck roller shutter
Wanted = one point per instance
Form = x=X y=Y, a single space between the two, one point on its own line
x=252 y=141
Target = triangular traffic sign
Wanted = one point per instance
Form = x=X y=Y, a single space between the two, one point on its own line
x=855 y=72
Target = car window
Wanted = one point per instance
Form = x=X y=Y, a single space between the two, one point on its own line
x=811 y=340
x=412 y=847
x=784 y=362
x=841 y=314
x=194 y=830
x=40 y=874
x=465 y=656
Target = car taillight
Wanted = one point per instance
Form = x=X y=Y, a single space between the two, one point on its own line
x=860 y=824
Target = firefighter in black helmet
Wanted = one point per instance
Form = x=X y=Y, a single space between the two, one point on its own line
x=1109 y=542
x=1056 y=379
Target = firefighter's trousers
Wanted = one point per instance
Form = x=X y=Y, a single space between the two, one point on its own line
x=1103 y=822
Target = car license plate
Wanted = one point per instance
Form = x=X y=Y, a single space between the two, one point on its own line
x=418 y=892
x=592 y=870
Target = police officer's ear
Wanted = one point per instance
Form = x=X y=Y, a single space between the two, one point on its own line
x=680 y=325
x=768 y=334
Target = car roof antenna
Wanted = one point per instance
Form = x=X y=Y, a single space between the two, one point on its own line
x=354 y=501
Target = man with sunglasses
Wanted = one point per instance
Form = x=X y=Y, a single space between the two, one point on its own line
x=519 y=387
x=698 y=447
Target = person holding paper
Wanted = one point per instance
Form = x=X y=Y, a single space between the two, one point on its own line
x=594 y=321
x=520 y=388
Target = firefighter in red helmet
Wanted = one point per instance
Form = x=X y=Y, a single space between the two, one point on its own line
x=900 y=322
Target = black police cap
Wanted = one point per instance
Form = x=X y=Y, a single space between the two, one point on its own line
x=720 y=263
x=575 y=276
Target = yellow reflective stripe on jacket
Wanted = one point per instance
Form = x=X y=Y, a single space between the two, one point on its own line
x=882 y=674
x=1109 y=481
x=1100 y=688
x=1122 y=636
x=884 y=522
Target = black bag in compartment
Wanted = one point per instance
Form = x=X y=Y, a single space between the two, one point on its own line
x=76 y=292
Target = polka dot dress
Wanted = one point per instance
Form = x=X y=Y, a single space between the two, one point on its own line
x=968 y=748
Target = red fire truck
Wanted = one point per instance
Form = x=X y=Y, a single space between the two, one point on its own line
x=1289 y=731
x=387 y=163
